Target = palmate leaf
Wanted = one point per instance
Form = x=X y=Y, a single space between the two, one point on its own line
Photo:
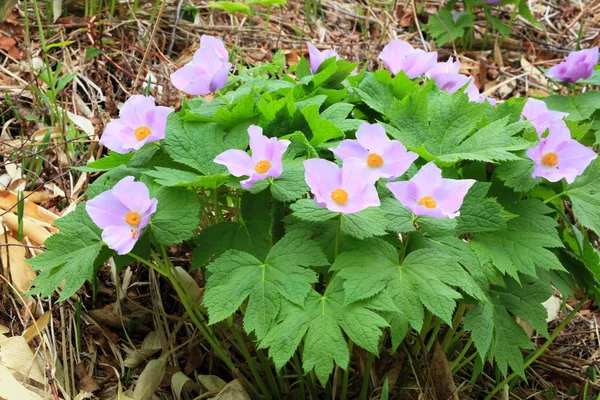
x=479 y=213
x=176 y=218
x=427 y=277
x=524 y=244
x=236 y=275
x=585 y=197
x=321 y=319
x=494 y=329
x=72 y=255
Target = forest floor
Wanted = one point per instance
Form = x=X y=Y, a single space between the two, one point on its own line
x=102 y=345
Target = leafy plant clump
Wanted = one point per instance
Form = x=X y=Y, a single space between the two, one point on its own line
x=456 y=241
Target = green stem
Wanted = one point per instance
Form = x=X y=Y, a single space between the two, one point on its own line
x=462 y=353
x=218 y=92
x=190 y=311
x=458 y=315
x=338 y=235
x=365 y=384
x=404 y=247
x=218 y=215
x=548 y=200
x=269 y=372
x=465 y=362
x=436 y=329
x=248 y=357
x=344 y=393
x=536 y=354
x=300 y=374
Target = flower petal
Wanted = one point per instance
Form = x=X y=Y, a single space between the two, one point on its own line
x=191 y=79
x=373 y=139
x=238 y=162
x=323 y=177
x=219 y=79
x=106 y=210
x=117 y=137
x=349 y=148
x=354 y=177
x=450 y=195
x=133 y=195
x=428 y=180
x=119 y=238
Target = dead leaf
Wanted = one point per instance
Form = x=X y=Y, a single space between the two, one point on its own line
x=233 y=391
x=149 y=379
x=120 y=395
x=189 y=284
x=13 y=255
x=212 y=383
x=150 y=346
x=441 y=375
x=85 y=382
x=11 y=389
x=9 y=202
x=552 y=305
x=34 y=329
x=179 y=382
x=33 y=231
x=16 y=355
x=6 y=43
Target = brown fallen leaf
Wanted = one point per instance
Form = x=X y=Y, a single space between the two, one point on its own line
x=9 y=202
x=150 y=379
x=12 y=253
x=233 y=391
x=441 y=375
x=11 y=389
x=85 y=382
x=16 y=355
x=33 y=231
x=38 y=326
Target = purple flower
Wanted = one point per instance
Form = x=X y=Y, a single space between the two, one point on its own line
x=399 y=55
x=317 y=57
x=382 y=157
x=446 y=77
x=122 y=213
x=345 y=190
x=208 y=70
x=140 y=122
x=558 y=156
x=427 y=193
x=540 y=117
x=578 y=65
x=265 y=160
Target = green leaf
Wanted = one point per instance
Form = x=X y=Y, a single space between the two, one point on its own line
x=437 y=227
x=290 y=185
x=110 y=178
x=308 y=210
x=480 y=214
x=585 y=197
x=364 y=224
x=235 y=276
x=377 y=95
x=579 y=107
x=321 y=320
x=517 y=175
x=176 y=218
x=196 y=144
x=398 y=218
x=176 y=177
x=72 y=255
x=322 y=129
x=231 y=6
x=524 y=244
x=112 y=160
x=444 y=29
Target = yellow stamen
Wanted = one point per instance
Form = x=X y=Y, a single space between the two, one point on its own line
x=340 y=196
x=142 y=132
x=133 y=218
x=374 y=160
x=262 y=167
x=134 y=233
x=550 y=159
x=428 y=202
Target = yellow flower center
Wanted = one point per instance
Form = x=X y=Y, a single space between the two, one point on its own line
x=133 y=218
x=550 y=159
x=374 y=160
x=142 y=132
x=340 y=196
x=428 y=202
x=262 y=167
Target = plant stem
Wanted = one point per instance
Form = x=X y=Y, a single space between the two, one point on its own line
x=548 y=200
x=536 y=354
x=218 y=215
x=300 y=374
x=365 y=385
x=344 y=393
x=338 y=234
x=404 y=247
x=462 y=353
x=248 y=357
x=458 y=315
x=269 y=372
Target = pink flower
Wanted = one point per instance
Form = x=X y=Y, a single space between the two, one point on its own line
x=345 y=190
x=122 y=213
x=208 y=70
x=140 y=122
x=446 y=77
x=399 y=55
x=540 y=117
x=265 y=160
x=317 y=57
x=578 y=65
x=558 y=156
x=427 y=193
x=382 y=157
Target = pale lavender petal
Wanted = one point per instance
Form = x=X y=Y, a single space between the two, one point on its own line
x=316 y=57
x=355 y=176
x=207 y=41
x=428 y=180
x=349 y=148
x=372 y=138
x=449 y=197
x=393 y=55
x=238 y=162
x=106 y=210
x=534 y=109
x=368 y=198
x=443 y=69
x=279 y=148
x=119 y=238
x=323 y=177
x=578 y=65
x=133 y=112
x=159 y=124
x=115 y=135
x=400 y=190
x=147 y=214
x=396 y=161
x=219 y=79
x=419 y=62
x=191 y=79
x=133 y=195
x=261 y=146
x=575 y=157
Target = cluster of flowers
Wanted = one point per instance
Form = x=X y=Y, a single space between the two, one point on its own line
x=125 y=210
